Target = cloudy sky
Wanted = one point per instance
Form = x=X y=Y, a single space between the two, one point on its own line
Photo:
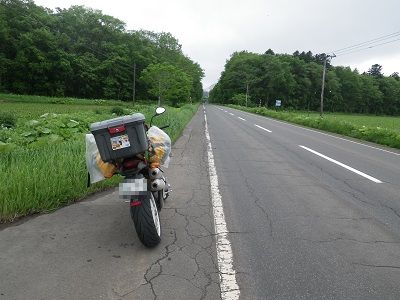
x=211 y=30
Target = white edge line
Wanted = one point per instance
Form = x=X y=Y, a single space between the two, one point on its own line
x=327 y=134
x=241 y=119
x=342 y=165
x=231 y=114
x=267 y=130
x=227 y=274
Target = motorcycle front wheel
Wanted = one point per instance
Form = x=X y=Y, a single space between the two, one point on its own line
x=147 y=221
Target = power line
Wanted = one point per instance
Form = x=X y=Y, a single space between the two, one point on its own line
x=356 y=48
x=363 y=44
x=369 y=47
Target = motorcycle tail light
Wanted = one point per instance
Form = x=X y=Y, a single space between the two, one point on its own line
x=117 y=129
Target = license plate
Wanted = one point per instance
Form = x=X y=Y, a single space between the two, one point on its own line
x=133 y=187
x=120 y=142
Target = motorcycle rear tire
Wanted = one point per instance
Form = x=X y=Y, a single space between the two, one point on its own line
x=147 y=221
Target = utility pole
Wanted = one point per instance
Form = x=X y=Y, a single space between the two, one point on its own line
x=247 y=92
x=323 y=83
x=134 y=83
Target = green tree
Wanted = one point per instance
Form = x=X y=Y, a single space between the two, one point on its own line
x=240 y=99
x=375 y=70
x=277 y=80
x=389 y=88
x=350 y=89
x=242 y=73
x=395 y=75
x=296 y=79
x=372 y=97
x=167 y=83
x=333 y=96
x=81 y=52
x=314 y=74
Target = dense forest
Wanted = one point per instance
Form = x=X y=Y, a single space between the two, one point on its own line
x=296 y=80
x=80 y=52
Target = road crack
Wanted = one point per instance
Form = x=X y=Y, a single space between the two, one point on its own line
x=375 y=266
x=350 y=240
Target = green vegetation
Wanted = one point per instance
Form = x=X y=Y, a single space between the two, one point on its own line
x=119 y=111
x=7 y=119
x=381 y=130
x=358 y=120
x=80 y=52
x=35 y=106
x=168 y=82
x=296 y=80
x=41 y=179
x=65 y=55
x=42 y=159
x=56 y=100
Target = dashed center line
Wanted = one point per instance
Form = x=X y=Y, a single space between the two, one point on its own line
x=373 y=179
x=267 y=130
x=342 y=165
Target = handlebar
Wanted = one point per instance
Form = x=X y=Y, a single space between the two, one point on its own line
x=166 y=126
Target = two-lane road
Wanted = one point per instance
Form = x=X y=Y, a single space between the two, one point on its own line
x=311 y=215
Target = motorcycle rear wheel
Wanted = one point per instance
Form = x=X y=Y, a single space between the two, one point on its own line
x=147 y=221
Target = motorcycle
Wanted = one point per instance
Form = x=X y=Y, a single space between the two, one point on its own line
x=138 y=152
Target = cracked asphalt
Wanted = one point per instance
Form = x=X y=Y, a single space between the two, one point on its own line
x=89 y=250
x=306 y=228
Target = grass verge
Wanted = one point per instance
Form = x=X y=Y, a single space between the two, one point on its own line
x=41 y=179
x=376 y=134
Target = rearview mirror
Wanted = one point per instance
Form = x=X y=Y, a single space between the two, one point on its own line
x=160 y=110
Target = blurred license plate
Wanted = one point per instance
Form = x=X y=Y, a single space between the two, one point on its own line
x=133 y=187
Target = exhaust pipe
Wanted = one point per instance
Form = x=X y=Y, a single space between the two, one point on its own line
x=157 y=185
x=155 y=173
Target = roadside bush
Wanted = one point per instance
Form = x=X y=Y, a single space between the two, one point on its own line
x=7 y=120
x=240 y=99
x=119 y=111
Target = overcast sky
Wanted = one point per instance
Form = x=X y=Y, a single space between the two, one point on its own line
x=211 y=30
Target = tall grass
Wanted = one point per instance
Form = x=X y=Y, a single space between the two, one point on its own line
x=376 y=134
x=359 y=120
x=37 y=180
x=56 y=100
x=34 y=180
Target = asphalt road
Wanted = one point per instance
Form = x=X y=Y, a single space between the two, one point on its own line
x=308 y=216
x=311 y=215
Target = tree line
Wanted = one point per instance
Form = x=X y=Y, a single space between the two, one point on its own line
x=296 y=80
x=81 y=52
